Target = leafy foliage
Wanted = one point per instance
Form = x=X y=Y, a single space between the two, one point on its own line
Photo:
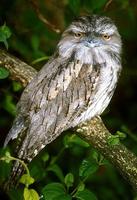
x=4 y=73
x=5 y=33
x=30 y=194
x=69 y=168
x=26 y=179
x=85 y=195
x=54 y=191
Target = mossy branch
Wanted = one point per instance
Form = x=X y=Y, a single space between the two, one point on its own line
x=93 y=131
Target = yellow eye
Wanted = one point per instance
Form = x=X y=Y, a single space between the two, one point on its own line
x=78 y=34
x=106 y=37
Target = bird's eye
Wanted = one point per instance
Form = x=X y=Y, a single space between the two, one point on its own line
x=106 y=37
x=78 y=34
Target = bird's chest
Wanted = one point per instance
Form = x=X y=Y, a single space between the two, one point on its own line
x=102 y=93
x=104 y=90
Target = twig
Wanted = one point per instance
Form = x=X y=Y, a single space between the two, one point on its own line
x=107 y=5
x=94 y=131
x=35 y=6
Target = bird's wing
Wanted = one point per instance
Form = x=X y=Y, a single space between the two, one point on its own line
x=50 y=103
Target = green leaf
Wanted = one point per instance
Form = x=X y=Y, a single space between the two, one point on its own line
x=121 y=134
x=16 y=86
x=57 y=170
x=4 y=73
x=37 y=168
x=81 y=186
x=45 y=157
x=26 y=179
x=5 y=33
x=7 y=157
x=5 y=30
x=30 y=194
x=63 y=197
x=9 y=105
x=4 y=167
x=55 y=191
x=69 y=180
x=70 y=140
x=113 y=140
x=95 y=155
x=87 y=168
x=85 y=195
x=66 y=141
x=77 y=140
x=7 y=153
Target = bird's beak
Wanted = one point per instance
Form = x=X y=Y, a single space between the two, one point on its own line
x=92 y=42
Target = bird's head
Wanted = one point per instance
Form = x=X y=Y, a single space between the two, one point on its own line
x=89 y=38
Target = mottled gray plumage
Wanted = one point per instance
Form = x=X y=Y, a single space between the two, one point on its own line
x=75 y=85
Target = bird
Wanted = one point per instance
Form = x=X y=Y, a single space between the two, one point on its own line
x=75 y=85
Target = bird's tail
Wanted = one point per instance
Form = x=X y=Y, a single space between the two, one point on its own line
x=19 y=129
x=16 y=172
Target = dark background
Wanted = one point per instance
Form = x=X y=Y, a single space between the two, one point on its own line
x=31 y=39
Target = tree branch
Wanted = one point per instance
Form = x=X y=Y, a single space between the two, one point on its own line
x=19 y=70
x=93 y=131
x=96 y=134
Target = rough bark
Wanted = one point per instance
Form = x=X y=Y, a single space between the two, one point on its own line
x=19 y=70
x=93 y=131
x=96 y=134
